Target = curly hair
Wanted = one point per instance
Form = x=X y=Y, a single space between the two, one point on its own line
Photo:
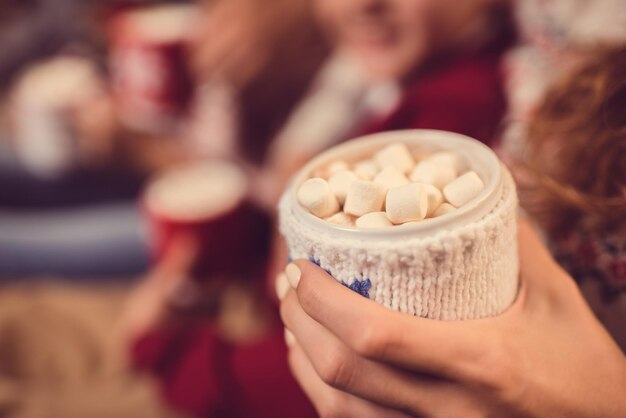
x=577 y=149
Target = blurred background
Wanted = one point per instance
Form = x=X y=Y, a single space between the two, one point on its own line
x=97 y=98
x=113 y=301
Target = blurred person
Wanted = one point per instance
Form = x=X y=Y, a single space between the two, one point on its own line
x=50 y=45
x=62 y=116
x=70 y=171
x=400 y=65
x=66 y=189
x=42 y=40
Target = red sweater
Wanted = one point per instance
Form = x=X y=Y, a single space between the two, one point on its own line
x=463 y=94
x=204 y=376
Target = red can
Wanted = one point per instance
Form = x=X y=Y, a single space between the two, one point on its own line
x=151 y=79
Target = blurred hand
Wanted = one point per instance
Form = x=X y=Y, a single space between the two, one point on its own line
x=547 y=355
x=95 y=123
x=235 y=39
x=149 y=303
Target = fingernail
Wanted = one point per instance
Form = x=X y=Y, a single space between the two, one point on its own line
x=282 y=285
x=293 y=275
x=290 y=339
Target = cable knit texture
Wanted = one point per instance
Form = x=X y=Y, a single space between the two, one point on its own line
x=465 y=273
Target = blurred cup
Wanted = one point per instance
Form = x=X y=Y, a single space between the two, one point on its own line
x=208 y=201
x=151 y=80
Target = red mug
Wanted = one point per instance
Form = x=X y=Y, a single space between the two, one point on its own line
x=151 y=79
x=209 y=202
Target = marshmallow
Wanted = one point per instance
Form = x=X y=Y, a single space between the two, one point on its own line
x=339 y=183
x=373 y=220
x=395 y=155
x=330 y=169
x=443 y=209
x=407 y=203
x=364 y=197
x=420 y=154
x=463 y=189
x=336 y=166
x=341 y=218
x=449 y=158
x=316 y=196
x=366 y=170
x=434 y=197
x=432 y=173
x=390 y=177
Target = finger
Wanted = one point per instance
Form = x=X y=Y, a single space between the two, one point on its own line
x=451 y=349
x=381 y=383
x=327 y=400
x=341 y=368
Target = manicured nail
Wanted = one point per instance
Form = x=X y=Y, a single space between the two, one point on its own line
x=290 y=339
x=293 y=275
x=282 y=285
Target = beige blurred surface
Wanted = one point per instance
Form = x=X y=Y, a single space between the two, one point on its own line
x=60 y=357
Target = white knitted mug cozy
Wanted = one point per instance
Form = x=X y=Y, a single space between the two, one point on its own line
x=460 y=266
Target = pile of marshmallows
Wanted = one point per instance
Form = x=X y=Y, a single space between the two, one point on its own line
x=390 y=188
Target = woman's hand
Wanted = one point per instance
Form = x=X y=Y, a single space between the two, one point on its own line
x=547 y=355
